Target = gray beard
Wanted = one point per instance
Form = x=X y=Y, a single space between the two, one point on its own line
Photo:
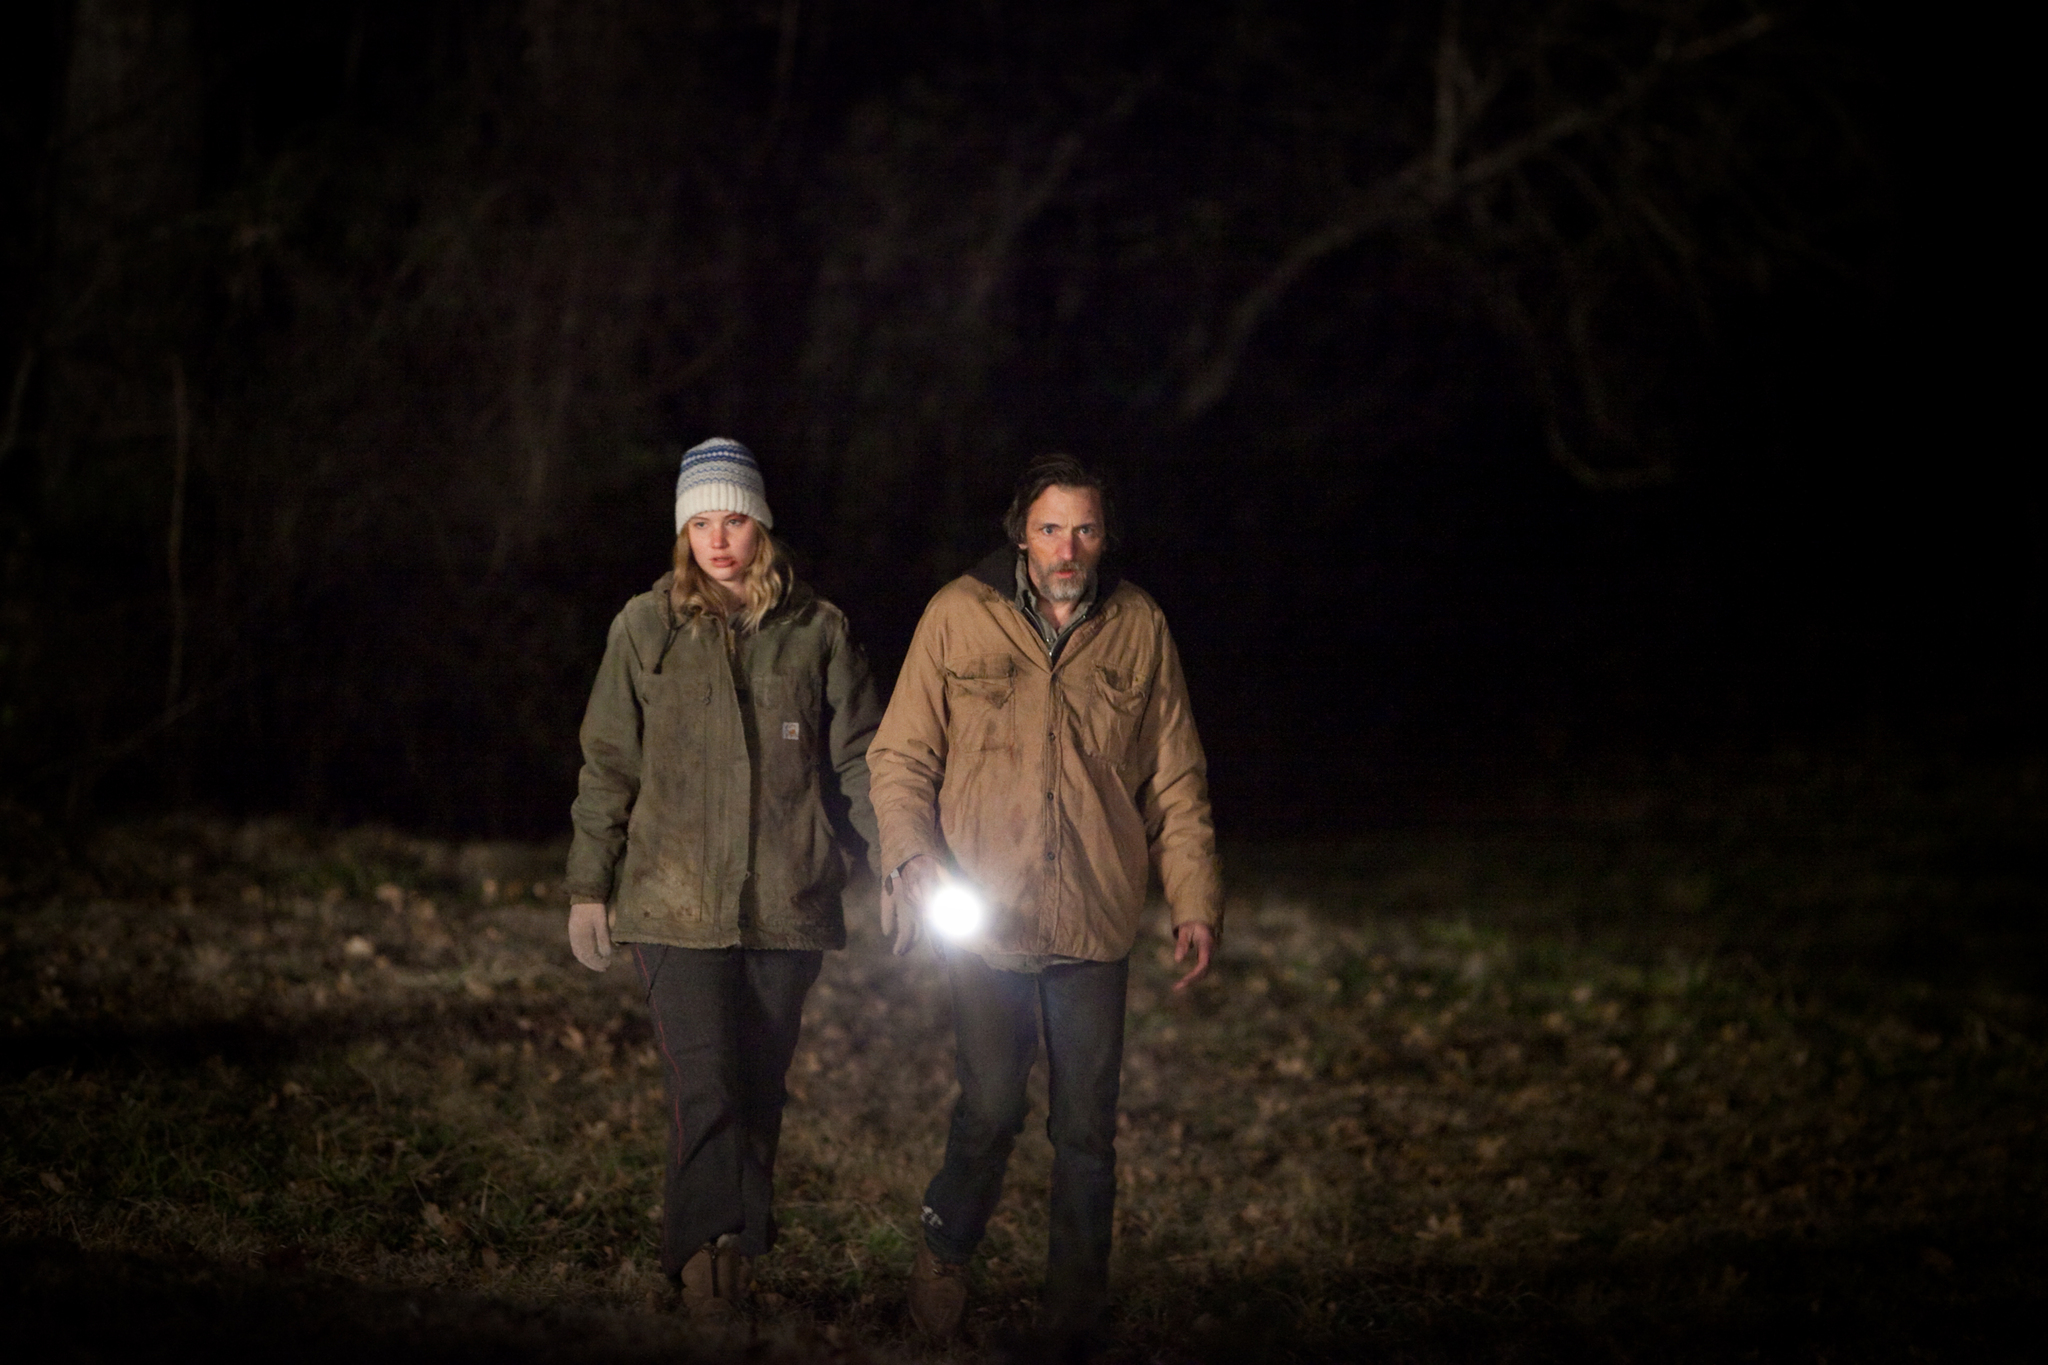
x=1072 y=593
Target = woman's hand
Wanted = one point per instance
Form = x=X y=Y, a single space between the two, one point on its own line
x=590 y=938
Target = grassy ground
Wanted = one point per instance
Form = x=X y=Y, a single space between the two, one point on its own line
x=1708 y=1074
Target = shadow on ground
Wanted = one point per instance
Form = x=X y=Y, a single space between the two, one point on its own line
x=1892 y=1299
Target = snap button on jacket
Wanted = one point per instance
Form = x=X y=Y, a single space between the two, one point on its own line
x=724 y=778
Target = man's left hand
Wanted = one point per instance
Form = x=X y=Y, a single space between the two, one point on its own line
x=1200 y=939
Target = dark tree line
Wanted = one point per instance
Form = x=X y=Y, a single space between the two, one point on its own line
x=350 y=344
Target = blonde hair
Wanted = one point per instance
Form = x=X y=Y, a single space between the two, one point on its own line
x=694 y=594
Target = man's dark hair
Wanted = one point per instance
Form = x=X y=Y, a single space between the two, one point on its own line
x=1062 y=471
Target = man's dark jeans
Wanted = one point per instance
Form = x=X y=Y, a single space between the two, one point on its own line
x=995 y=1021
x=725 y=1024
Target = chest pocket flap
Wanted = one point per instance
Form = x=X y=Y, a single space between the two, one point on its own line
x=1116 y=711
x=981 y=693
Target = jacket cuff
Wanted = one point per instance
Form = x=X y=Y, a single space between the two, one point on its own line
x=895 y=853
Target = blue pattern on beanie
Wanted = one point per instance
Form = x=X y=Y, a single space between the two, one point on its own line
x=720 y=460
x=721 y=475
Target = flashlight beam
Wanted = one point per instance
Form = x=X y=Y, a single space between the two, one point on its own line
x=955 y=911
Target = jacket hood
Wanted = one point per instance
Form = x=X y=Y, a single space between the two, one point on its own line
x=998 y=569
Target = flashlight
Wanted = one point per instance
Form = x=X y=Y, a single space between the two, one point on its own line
x=955 y=910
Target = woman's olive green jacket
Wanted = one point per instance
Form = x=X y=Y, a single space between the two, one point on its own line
x=725 y=776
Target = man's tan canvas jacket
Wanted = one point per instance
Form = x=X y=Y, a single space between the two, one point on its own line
x=1052 y=786
x=723 y=777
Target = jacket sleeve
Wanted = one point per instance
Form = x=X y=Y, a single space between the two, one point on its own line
x=855 y=711
x=1174 y=798
x=908 y=758
x=610 y=780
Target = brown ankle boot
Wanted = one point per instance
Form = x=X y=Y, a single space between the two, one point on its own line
x=714 y=1282
x=938 y=1295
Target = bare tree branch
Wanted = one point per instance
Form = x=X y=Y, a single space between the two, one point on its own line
x=1437 y=178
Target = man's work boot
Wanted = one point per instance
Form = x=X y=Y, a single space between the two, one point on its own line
x=714 y=1284
x=938 y=1295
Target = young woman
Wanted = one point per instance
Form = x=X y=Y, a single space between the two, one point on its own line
x=724 y=783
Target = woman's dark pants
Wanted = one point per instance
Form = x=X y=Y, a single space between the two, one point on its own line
x=725 y=1024
x=995 y=1018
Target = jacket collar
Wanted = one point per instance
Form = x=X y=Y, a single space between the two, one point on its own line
x=998 y=570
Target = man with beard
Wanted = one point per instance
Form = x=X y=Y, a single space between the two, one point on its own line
x=1039 y=750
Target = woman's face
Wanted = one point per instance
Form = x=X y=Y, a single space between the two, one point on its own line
x=723 y=544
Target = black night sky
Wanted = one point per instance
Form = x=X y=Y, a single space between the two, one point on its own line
x=1503 y=400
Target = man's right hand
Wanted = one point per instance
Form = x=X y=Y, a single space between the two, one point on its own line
x=590 y=938
x=903 y=901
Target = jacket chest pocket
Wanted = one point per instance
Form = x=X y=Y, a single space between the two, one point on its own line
x=786 y=720
x=1115 y=701
x=981 y=703
x=676 y=705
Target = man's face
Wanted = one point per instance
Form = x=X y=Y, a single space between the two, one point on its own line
x=1063 y=542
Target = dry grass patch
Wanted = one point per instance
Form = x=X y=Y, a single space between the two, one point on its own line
x=1427 y=1110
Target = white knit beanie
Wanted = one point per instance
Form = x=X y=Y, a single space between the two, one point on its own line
x=720 y=476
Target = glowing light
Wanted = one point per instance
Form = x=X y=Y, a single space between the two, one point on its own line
x=954 y=911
